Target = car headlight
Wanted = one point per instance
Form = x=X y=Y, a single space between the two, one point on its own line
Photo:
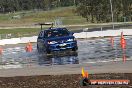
x=69 y=40
x=52 y=42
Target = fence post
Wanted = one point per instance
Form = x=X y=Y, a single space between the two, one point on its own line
x=85 y=30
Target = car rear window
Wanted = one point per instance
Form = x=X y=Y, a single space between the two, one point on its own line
x=56 y=33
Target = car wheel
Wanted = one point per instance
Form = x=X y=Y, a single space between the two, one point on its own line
x=39 y=50
x=75 y=49
x=48 y=51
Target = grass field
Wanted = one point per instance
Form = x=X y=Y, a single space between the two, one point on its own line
x=30 y=18
x=18 y=32
x=66 y=14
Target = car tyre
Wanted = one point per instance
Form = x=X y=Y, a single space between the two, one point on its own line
x=75 y=49
x=46 y=50
x=38 y=49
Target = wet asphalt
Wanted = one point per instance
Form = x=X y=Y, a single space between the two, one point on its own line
x=89 y=51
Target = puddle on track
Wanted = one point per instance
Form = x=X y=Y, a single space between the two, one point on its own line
x=90 y=51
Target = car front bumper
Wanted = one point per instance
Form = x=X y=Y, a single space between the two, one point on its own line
x=62 y=46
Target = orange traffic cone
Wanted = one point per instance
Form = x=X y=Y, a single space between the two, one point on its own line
x=29 y=47
x=123 y=41
x=123 y=46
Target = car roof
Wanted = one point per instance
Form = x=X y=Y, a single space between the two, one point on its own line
x=53 y=29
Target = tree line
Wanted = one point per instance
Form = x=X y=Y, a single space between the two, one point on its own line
x=92 y=10
x=100 y=10
x=18 y=5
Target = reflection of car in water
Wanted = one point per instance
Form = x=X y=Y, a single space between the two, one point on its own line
x=56 y=39
x=71 y=58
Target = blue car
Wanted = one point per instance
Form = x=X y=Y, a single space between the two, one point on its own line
x=56 y=39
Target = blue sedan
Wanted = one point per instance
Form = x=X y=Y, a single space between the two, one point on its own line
x=56 y=39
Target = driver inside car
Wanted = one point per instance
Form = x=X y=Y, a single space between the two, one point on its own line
x=49 y=34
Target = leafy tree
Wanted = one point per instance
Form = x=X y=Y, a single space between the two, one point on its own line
x=100 y=11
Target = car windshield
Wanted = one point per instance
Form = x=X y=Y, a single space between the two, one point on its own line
x=56 y=33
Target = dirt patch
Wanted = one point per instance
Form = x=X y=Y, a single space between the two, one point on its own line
x=61 y=81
